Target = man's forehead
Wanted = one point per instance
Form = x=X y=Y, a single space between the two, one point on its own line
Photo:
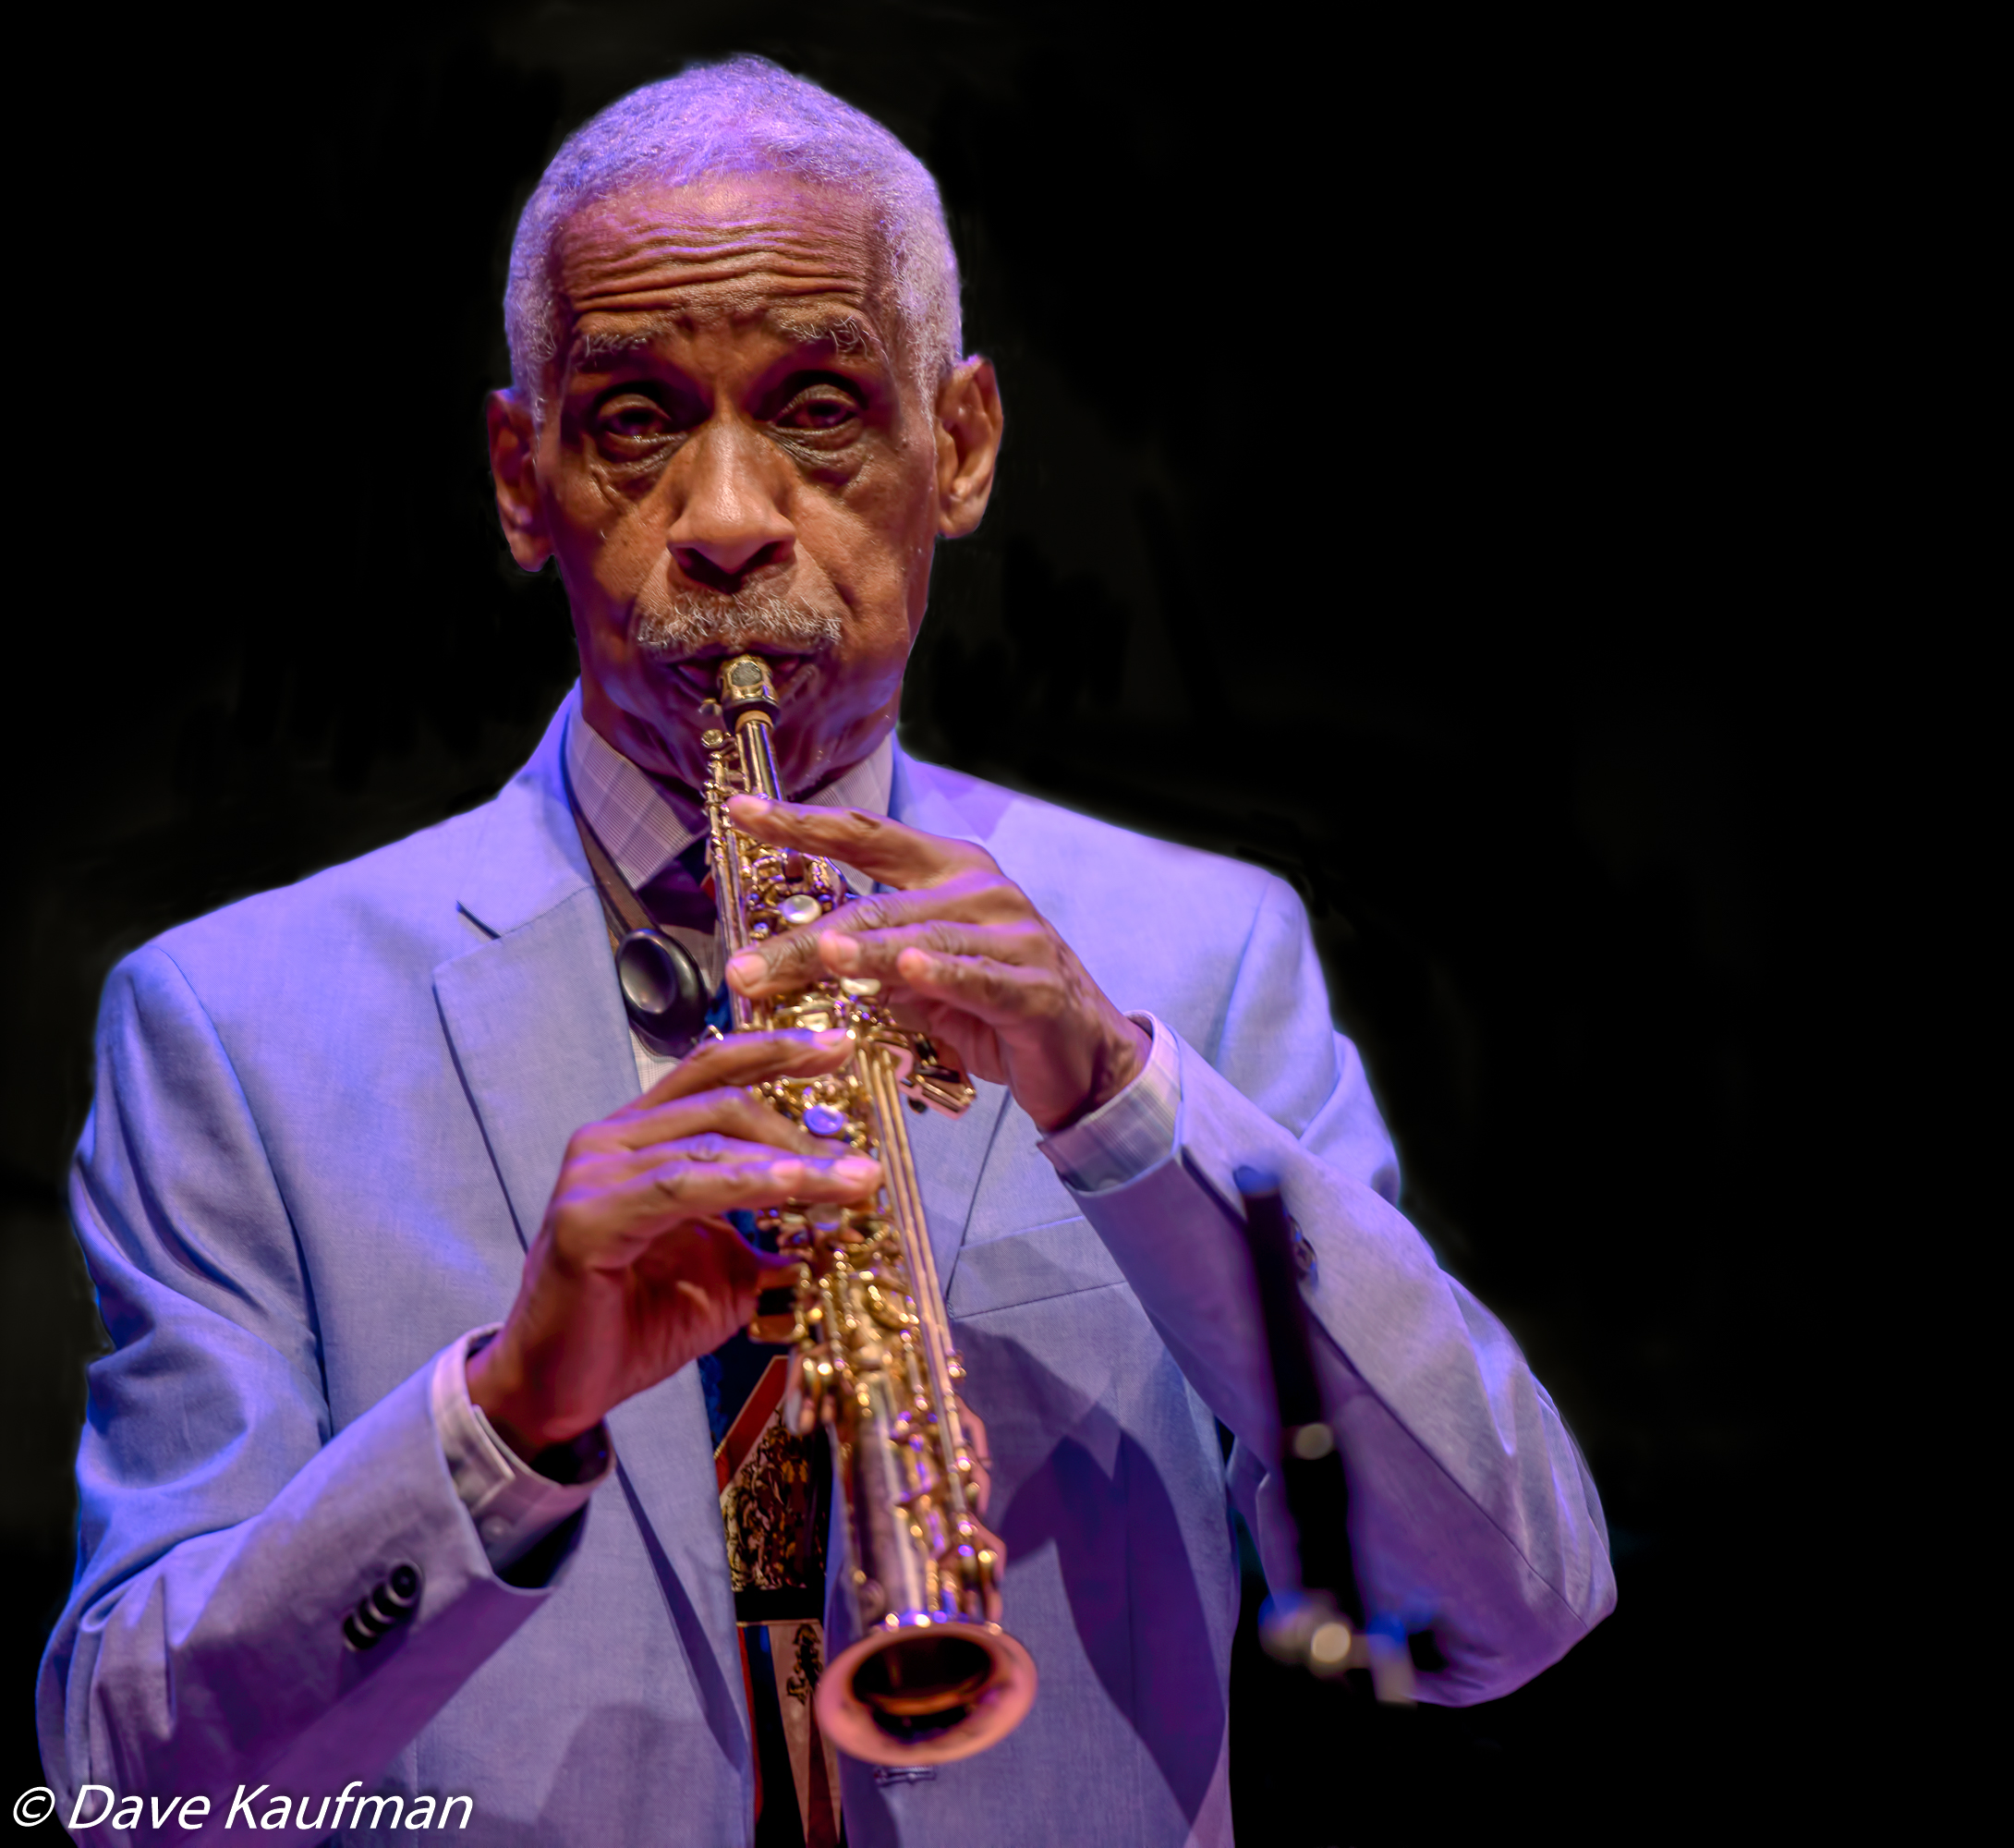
x=747 y=248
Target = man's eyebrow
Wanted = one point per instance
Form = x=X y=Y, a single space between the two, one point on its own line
x=592 y=346
x=842 y=332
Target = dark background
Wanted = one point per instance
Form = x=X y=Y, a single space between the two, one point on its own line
x=1413 y=485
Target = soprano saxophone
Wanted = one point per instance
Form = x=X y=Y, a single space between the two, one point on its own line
x=933 y=1676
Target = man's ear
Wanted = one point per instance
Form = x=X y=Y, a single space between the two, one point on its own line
x=513 y=464
x=969 y=433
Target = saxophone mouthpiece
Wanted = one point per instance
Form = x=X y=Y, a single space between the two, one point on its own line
x=745 y=686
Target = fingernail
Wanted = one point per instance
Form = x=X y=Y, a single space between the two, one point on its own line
x=746 y=968
x=856 y=1168
x=830 y=1037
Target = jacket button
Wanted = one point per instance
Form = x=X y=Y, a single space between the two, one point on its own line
x=389 y=1603
x=356 y=1635
x=397 y=1596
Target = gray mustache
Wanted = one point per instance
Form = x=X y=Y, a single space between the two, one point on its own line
x=679 y=621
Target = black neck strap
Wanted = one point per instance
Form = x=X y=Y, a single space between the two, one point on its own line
x=664 y=990
x=622 y=910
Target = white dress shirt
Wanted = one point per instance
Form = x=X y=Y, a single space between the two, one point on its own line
x=643 y=829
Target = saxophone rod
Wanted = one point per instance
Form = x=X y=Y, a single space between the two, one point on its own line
x=906 y=1690
x=758 y=753
x=906 y=1193
x=748 y=700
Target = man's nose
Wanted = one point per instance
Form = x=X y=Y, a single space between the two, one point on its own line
x=730 y=523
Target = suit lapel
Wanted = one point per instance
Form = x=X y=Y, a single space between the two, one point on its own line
x=950 y=1155
x=542 y=1045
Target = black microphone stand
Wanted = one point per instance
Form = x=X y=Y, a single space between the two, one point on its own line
x=1323 y=1628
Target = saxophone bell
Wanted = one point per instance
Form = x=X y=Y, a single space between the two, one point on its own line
x=927 y=1692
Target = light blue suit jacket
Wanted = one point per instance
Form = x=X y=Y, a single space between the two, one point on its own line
x=326 y=1123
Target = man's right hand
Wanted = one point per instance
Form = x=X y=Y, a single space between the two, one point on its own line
x=634 y=1272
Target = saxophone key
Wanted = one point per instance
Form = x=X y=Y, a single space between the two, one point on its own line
x=821 y=1119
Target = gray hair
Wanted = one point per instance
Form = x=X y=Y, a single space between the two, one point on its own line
x=745 y=116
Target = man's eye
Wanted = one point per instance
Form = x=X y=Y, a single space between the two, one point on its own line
x=818 y=410
x=634 y=419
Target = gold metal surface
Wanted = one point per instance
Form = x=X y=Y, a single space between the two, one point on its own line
x=933 y=1676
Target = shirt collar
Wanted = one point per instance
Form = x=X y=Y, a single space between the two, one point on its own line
x=643 y=828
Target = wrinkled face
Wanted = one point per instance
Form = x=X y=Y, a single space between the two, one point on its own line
x=732 y=458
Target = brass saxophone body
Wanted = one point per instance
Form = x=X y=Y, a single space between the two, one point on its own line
x=933 y=1676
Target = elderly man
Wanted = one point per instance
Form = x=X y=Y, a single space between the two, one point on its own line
x=407 y=1472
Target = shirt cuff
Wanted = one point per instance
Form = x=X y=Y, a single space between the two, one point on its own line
x=1127 y=1135
x=512 y=1506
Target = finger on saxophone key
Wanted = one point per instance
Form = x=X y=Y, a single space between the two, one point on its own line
x=846 y=1179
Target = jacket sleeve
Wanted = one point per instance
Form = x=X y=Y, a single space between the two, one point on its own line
x=224 y=1531
x=1471 y=1506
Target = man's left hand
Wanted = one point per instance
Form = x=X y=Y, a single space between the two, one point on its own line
x=958 y=947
